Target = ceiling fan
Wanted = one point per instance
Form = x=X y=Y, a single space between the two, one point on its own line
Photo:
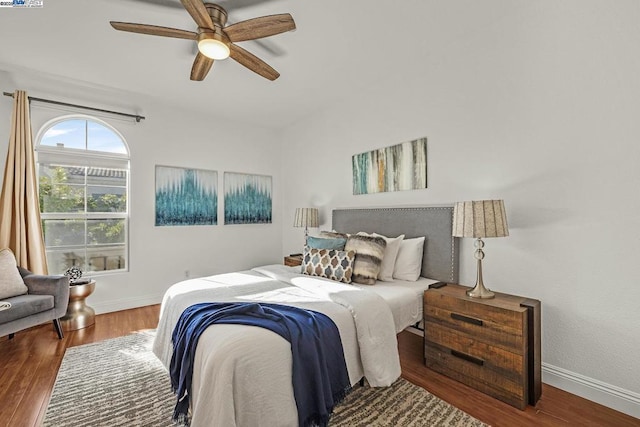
x=234 y=9
x=215 y=41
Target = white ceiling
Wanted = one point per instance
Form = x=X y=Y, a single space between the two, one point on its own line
x=340 y=48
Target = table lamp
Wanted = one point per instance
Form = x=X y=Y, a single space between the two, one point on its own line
x=306 y=217
x=480 y=219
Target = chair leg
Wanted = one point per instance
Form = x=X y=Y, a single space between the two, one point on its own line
x=11 y=336
x=56 y=324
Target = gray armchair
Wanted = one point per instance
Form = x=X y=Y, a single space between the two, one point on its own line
x=46 y=300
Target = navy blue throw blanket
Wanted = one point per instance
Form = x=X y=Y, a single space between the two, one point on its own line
x=320 y=377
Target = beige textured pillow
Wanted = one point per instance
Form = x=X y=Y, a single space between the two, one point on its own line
x=11 y=283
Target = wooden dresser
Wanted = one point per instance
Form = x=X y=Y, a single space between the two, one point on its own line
x=492 y=345
x=293 y=260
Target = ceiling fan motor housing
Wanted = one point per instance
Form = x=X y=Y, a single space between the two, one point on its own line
x=215 y=34
x=217 y=13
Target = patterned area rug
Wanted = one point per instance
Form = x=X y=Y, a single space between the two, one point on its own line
x=119 y=382
x=403 y=404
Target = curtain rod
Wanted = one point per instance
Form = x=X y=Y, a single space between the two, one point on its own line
x=49 y=101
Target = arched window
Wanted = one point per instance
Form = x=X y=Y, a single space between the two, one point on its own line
x=83 y=177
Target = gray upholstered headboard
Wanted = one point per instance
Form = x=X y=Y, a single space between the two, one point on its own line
x=440 y=258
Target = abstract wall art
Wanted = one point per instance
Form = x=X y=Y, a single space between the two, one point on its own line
x=395 y=168
x=186 y=196
x=247 y=198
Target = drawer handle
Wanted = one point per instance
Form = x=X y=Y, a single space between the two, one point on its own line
x=466 y=319
x=468 y=358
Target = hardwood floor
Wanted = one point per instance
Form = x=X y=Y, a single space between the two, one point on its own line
x=555 y=408
x=31 y=360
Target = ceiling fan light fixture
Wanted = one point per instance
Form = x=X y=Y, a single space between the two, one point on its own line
x=210 y=45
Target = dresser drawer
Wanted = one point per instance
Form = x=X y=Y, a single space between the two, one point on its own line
x=484 y=378
x=482 y=353
x=501 y=327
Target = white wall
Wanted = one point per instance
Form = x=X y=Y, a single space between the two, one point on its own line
x=159 y=256
x=542 y=111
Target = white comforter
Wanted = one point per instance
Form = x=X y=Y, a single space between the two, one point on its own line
x=242 y=374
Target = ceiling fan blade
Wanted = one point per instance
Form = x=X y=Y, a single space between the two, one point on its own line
x=201 y=67
x=258 y=28
x=252 y=62
x=154 y=30
x=198 y=12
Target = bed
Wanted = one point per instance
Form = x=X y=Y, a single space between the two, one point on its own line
x=404 y=299
x=242 y=374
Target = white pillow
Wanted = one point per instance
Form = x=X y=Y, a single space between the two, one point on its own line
x=390 y=255
x=11 y=283
x=409 y=261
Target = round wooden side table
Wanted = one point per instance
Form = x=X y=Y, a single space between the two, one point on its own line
x=79 y=315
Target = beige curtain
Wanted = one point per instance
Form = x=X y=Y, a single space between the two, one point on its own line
x=20 y=226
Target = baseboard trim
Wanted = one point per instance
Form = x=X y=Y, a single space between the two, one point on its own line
x=614 y=397
x=126 y=303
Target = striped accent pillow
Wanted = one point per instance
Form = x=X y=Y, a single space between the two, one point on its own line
x=329 y=263
x=369 y=254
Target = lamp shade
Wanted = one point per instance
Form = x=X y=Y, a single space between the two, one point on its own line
x=479 y=219
x=306 y=217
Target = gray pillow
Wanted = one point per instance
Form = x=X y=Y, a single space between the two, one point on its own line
x=11 y=283
x=369 y=253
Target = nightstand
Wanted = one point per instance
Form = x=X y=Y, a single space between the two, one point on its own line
x=79 y=315
x=492 y=345
x=293 y=260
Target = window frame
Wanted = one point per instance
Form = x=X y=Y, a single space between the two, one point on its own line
x=46 y=154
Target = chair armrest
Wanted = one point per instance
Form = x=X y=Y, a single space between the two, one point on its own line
x=24 y=272
x=58 y=286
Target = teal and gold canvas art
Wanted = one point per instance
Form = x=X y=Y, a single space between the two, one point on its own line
x=395 y=168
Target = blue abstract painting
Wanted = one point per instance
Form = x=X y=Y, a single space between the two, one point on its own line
x=186 y=196
x=247 y=198
x=395 y=168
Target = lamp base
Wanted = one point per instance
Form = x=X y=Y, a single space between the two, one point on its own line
x=479 y=291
